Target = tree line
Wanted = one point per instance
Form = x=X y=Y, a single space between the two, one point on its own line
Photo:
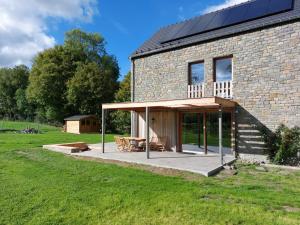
x=69 y=79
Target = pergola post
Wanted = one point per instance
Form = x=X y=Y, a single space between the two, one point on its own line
x=147 y=133
x=205 y=133
x=103 y=130
x=133 y=124
x=220 y=135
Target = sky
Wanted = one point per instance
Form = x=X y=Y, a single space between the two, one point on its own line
x=30 y=26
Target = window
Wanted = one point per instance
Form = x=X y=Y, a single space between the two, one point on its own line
x=196 y=73
x=223 y=69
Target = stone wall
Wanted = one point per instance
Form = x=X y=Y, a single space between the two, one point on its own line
x=266 y=78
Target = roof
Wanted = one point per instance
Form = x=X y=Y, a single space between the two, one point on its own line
x=78 y=117
x=245 y=17
x=210 y=102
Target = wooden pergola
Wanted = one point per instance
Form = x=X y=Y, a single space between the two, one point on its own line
x=212 y=103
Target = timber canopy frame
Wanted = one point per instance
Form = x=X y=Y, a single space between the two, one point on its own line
x=181 y=104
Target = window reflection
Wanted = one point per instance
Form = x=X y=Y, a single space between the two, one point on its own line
x=223 y=69
x=197 y=73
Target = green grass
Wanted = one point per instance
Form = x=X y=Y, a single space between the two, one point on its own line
x=212 y=140
x=6 y=124
x=43 y=187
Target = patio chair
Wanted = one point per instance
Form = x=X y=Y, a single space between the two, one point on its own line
x=158 y=144
x=142 y=146
x=120 y=143
x=129 y=146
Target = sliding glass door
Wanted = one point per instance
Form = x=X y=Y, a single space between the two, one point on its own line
x=193 y=132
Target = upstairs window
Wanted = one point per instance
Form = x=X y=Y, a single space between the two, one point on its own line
x=196 y=73
x=223 y=69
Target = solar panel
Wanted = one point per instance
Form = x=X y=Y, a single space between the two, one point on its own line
x=280 y=4
x=186 y=28
x=202 y=23
x=218 y=20
x=257 y=9
x=228 y=17
x=173 y=30
x=236 y=14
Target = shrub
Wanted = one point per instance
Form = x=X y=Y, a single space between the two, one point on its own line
x=283 y=146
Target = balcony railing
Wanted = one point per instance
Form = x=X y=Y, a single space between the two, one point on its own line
x=196 y=91
x=223 y=89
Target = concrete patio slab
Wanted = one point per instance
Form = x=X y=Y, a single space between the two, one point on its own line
x=206 y=165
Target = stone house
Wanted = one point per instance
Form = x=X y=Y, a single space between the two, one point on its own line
x=215 y=80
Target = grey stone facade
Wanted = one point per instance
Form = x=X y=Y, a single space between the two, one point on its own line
x=266 y=78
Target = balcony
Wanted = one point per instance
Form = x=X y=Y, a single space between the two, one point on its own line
x=222 y=89
x=196 y=91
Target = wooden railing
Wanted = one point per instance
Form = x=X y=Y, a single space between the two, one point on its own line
x=223 y=89
x=196 y=91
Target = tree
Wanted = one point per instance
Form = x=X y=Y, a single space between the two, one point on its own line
x=13 y=82
x=95 y=81
x=92 y=45
x=24 y=108
x=121 y=119
x=73 y=78
x=48 y=79
x=91 y=86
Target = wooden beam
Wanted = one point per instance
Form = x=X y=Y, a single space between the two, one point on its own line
x=204 y=133
x=182 y=103
x=133 y=130
x=179 y=132
x=225 y=102
x=147 y=133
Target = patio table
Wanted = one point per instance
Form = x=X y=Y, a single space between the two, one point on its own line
x=138 y=139
x=135 y=141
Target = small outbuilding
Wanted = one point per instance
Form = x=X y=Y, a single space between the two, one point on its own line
x=82 y=124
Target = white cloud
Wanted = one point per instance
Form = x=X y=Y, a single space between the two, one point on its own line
x=180 y=13
x=225 y=4
x=120 y=27
x=23 y=25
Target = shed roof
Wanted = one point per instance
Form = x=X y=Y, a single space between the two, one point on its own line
x=252 y=15
x=78 y=117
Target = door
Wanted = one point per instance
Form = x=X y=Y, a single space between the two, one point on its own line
x=195 y=136
x=212 y=125
x=192 y=132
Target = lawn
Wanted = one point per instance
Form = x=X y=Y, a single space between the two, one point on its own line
x=43 y=187
x=212 y=140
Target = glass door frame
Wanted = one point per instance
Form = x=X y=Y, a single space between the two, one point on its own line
x=205 y=112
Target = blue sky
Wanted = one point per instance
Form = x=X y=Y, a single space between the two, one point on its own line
x=28 y=27
x=127 y=24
